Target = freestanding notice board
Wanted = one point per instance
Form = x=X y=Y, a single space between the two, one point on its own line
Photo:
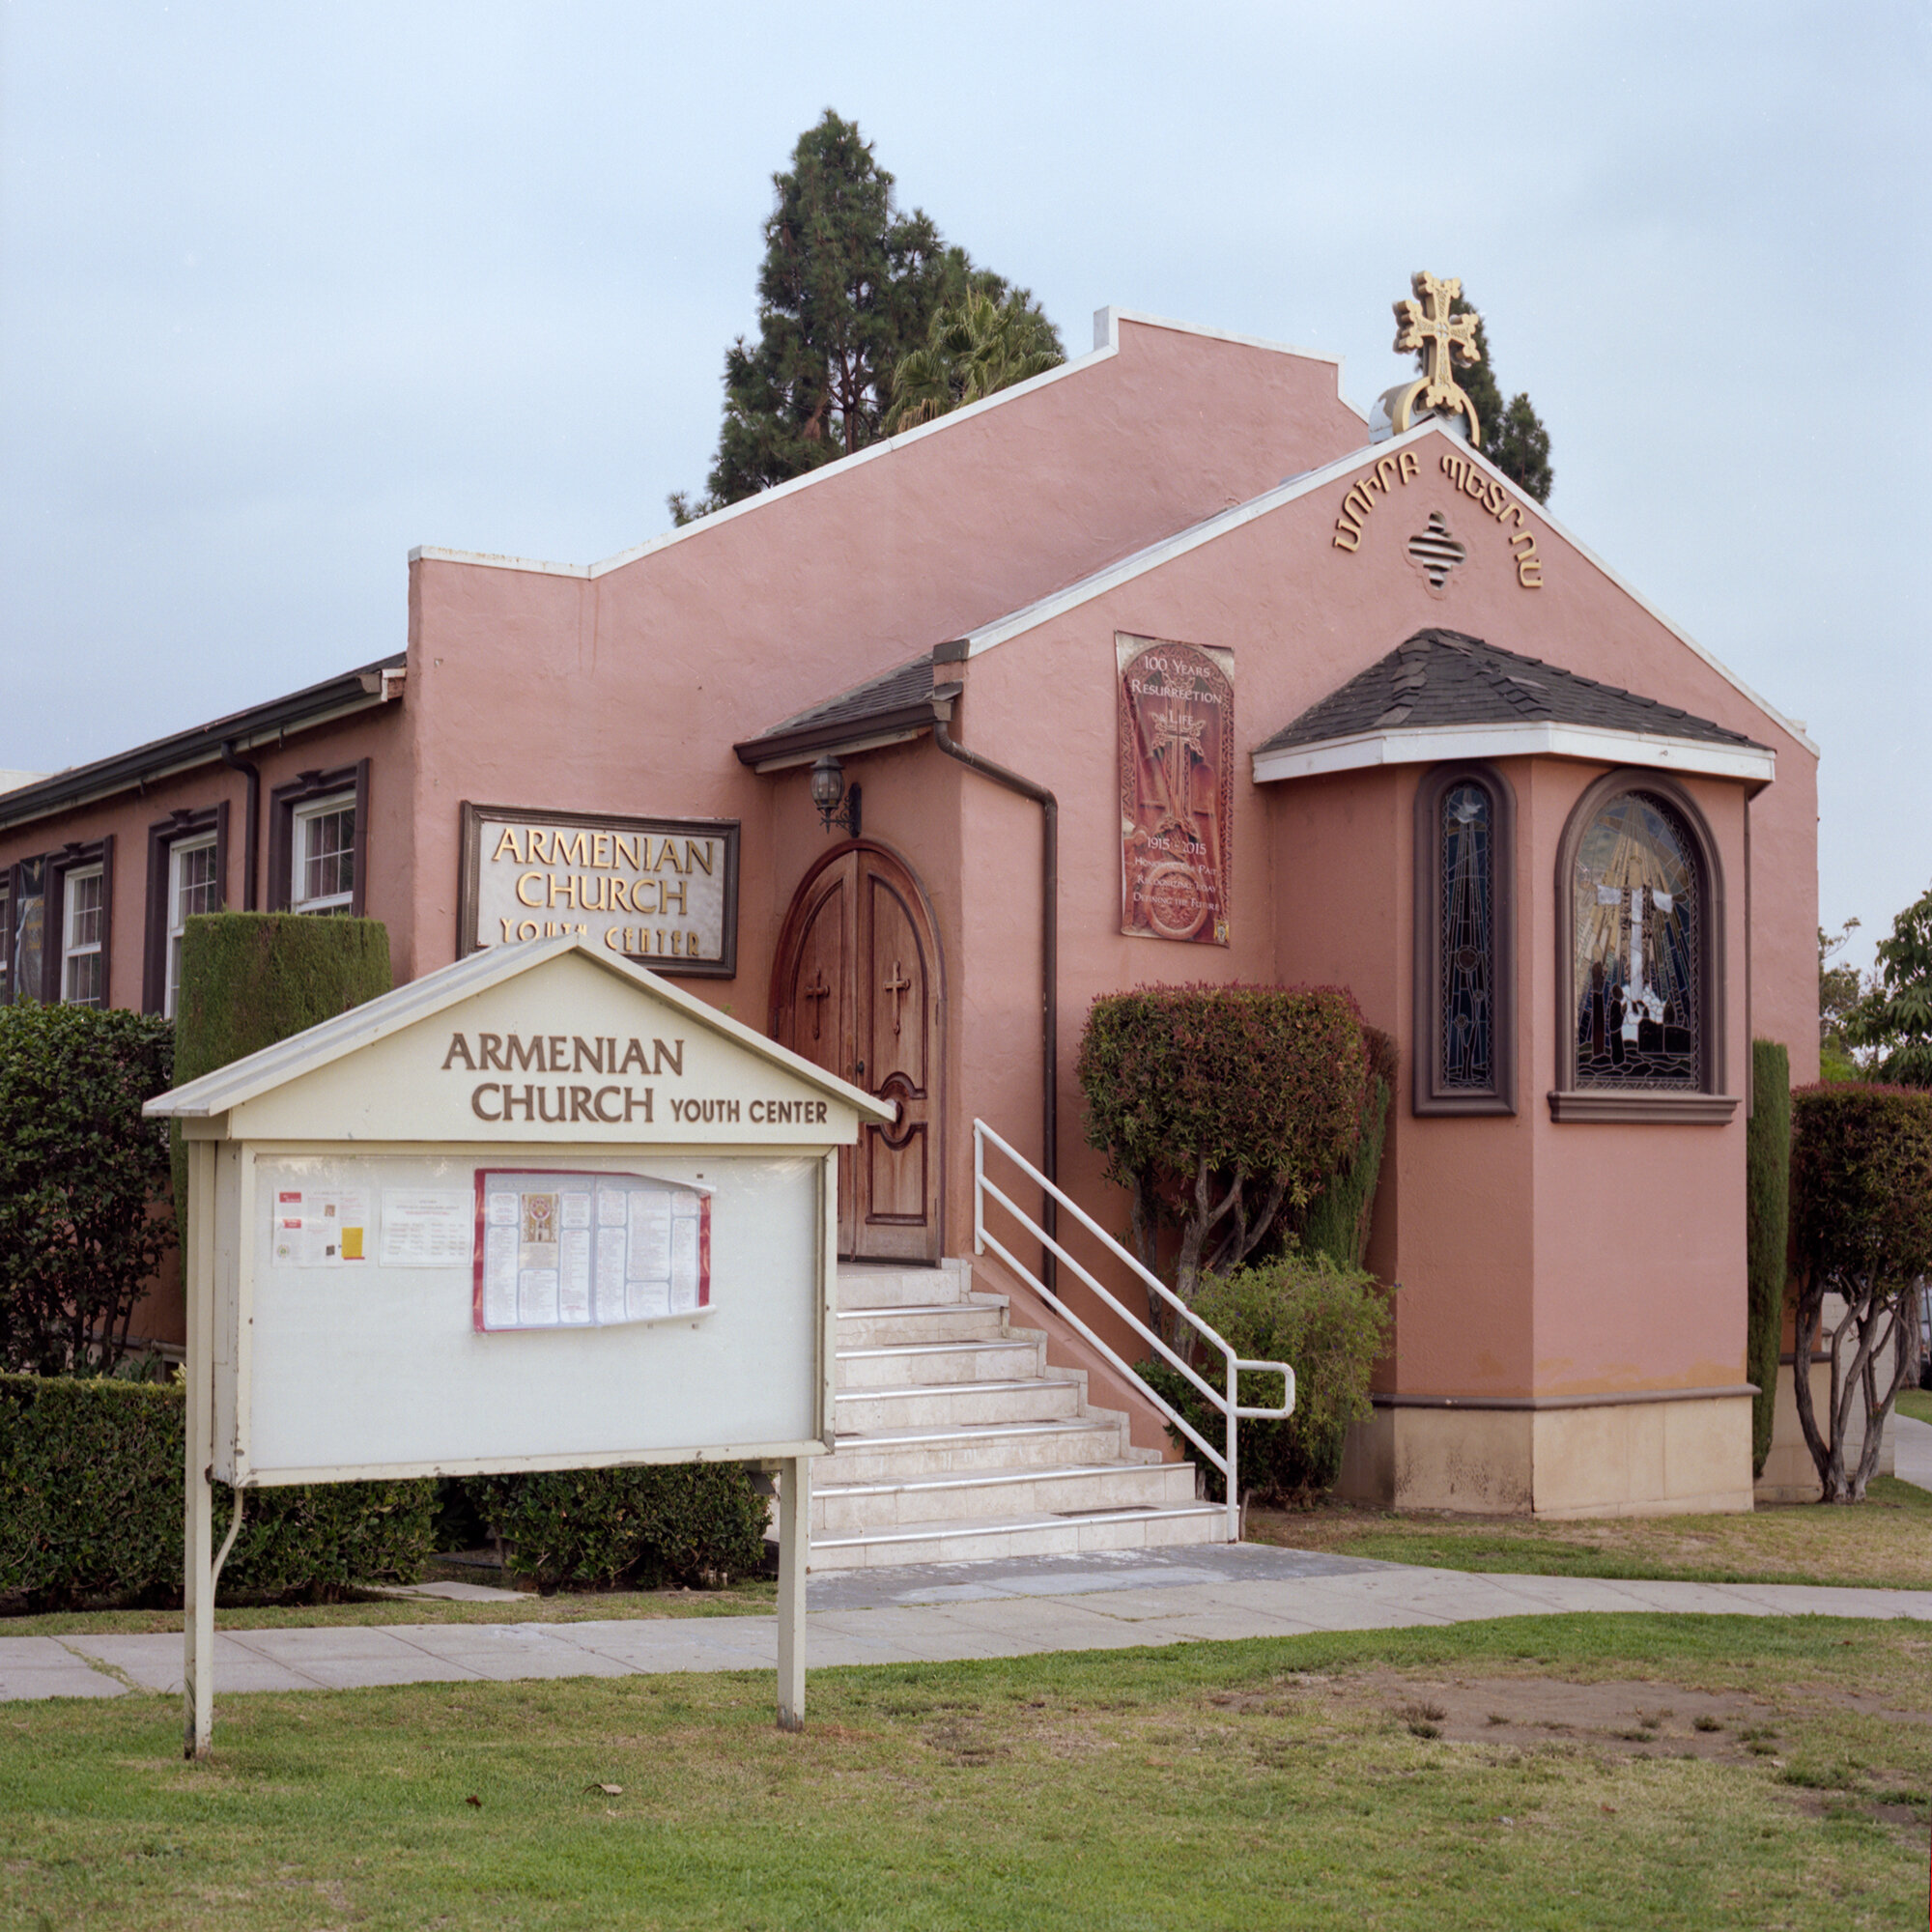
x=538 y=1211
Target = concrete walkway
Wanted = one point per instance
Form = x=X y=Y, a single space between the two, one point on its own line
x=918 y=1614
x=1912 y=1449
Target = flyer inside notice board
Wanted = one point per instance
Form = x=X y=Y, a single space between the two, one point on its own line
x=546 y=1249
x=560 y=1250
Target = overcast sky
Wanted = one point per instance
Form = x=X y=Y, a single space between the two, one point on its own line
x=287 y=290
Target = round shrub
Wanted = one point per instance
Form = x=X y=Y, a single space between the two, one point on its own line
x=1329 y=1323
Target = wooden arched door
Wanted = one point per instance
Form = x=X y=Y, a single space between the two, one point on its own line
x=857 y=989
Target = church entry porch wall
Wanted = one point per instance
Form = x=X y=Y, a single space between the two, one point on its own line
x=859 y=989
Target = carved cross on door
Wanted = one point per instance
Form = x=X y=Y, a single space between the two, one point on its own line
x=818 y=992
x=897 y=985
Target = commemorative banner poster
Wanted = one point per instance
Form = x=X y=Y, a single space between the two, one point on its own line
x=1176 y=732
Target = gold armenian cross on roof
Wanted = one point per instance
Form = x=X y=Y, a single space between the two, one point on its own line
x=1426 y=326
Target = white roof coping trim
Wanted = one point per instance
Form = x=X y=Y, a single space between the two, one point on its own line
x=1364 y=750
x=243 y=1080
x=1044 y=610
x=1106 y=345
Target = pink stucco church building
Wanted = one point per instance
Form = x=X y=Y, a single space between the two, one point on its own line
x=1165 y=666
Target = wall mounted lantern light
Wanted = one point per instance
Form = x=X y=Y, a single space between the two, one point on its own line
x=828 y=788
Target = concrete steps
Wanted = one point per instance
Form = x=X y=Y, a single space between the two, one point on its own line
x=956 y=1441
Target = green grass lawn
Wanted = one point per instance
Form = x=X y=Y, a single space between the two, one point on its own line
x=1576 y=1772
x=1885 y=1541
x=1916 y=1404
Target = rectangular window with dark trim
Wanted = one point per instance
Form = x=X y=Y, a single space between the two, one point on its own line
x=26 y=940
x=323 y=869
x=318 y=842
x=83 y=974
x=6 y=938
x=195 y=884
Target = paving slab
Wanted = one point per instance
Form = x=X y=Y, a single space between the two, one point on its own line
x=43 y=1666
x=1912 y=1450
x=922 y=1613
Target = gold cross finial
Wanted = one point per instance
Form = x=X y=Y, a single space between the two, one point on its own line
x=1426 y=327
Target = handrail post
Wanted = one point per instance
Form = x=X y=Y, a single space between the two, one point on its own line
x=1234 y=1472
x=978 y=1188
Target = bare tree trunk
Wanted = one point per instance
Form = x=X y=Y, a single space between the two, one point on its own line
x=1143 y=1230
x=1248 y=1235
x=1876 y=1411
x=1810 y=1314
x=1207 y=1215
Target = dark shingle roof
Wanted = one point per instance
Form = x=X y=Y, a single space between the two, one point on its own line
x=898 y=700
x=1444 y=679
x=877 y=697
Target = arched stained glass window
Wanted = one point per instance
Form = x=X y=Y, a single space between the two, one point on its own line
x=1465 y=831
x=1638 y=974
x=1469 y=942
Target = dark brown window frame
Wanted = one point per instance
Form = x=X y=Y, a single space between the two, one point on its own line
x=1431 y=1096
x=73 y=857
x=282 y=803
x=18 y=896
x=1710 y=1105
x=163 y=839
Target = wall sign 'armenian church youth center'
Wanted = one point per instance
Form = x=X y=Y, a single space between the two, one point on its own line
x=663 y=891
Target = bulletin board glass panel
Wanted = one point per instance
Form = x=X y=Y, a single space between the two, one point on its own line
x=651 y=1305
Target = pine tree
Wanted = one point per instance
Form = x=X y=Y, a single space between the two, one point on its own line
x=849 y=286
x=1514 y=438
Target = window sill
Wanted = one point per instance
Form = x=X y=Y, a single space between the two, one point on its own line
x=1423 y=1105
x=1638 y=1106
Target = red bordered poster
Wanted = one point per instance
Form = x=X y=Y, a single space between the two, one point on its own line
x=560 y=1248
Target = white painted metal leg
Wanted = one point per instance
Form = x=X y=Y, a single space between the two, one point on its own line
x=198 y=1541
x=794 y=1551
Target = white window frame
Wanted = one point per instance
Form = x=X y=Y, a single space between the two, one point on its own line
x=302 y=821
x=73 y=950
x=6 y=937
x=178 y=850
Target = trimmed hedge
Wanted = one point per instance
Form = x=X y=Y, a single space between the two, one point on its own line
x=1331 y=1324
x=1337 y=1223
x=1767 y=1231
x=91 y=1476
x=83 y=1221
x=250 y=978
x=697 y=1522
x=1222 y=1106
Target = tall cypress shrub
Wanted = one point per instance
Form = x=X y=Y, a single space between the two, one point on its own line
x=250 y=978
x=1338 y=1221
x=1766 y=1231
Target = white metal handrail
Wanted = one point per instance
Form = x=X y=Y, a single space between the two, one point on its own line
x=1228 y=1402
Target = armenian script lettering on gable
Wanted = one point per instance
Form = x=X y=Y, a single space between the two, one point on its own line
x=1177 y=735
x=663 y=891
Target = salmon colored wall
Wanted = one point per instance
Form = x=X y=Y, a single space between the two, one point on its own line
x=1301 y=617
x=379 y=735
x=1452 y=1220
x=1639 y=1230
x=624 y=693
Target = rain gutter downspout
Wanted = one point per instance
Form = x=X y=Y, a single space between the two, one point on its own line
x=943 y=698
x=251 y=806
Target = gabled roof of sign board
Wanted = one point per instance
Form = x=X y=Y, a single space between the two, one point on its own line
x=861 y=709
x=258 y=1073
x=1439 y=679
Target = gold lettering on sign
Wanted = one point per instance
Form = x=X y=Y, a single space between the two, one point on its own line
x=1401 y=466
x=1505 y=509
